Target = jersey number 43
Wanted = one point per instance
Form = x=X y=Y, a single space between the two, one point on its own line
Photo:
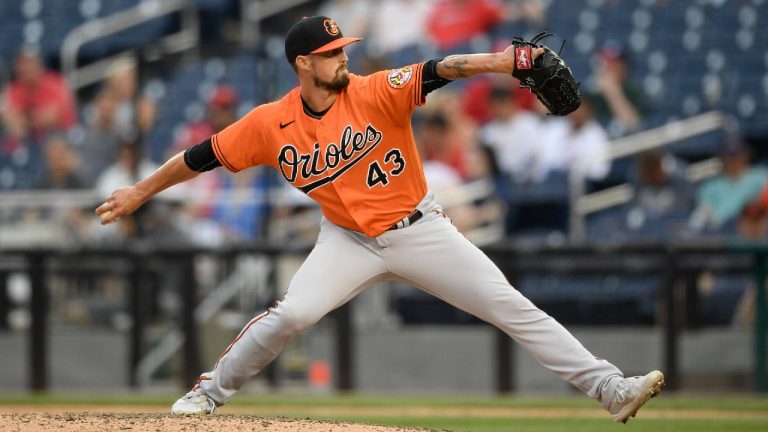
x=393 y=165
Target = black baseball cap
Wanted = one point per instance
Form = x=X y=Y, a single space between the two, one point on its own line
x=314 y=35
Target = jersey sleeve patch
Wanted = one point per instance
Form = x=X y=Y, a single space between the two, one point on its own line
x=400 y=77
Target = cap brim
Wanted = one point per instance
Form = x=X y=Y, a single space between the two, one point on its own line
x=337 y=43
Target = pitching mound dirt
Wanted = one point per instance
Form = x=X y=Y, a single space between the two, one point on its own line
x=81 y=422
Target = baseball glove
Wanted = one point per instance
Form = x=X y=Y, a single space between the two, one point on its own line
x=548 y=76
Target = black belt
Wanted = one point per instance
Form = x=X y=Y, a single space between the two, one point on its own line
x=408 y=220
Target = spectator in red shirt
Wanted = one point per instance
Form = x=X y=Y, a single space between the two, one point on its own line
x=37 y=102
x=476 y=96
x=453 y=22
x=440 y=143
x=221 y=112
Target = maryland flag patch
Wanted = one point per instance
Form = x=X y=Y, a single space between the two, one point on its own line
x=399 y=77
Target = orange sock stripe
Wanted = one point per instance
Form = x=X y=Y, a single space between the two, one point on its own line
x=240 y=335
x=242 y=332
x=199 y=379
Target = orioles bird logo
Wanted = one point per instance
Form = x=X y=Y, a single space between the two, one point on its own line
x=331 y=27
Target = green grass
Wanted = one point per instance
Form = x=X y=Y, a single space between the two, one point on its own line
x=721 y=413
x=533 y=424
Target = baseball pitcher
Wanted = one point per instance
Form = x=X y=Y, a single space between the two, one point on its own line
x=347 y=142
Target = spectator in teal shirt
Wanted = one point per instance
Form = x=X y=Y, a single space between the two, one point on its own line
x=721 y=199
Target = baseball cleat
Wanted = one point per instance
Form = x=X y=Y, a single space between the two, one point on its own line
x=194 y=403
x=632 y=393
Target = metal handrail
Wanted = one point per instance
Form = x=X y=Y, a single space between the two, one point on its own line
x=668 y=133
x=253 y=11
x=253 y=276
x=96 y=29
x=465 y=194
x=623 y=193
x=584 y=204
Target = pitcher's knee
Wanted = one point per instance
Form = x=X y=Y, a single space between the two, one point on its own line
x=296 y=321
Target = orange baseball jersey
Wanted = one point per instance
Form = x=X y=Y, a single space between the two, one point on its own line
x=359 y=161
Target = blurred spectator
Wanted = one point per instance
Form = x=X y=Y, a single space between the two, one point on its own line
x=440 y=144
x=155 y=220
x=293 y=215
x=220 y=113
x=512 y=132
x=532 y=12
x=444 y=134
x=482 y=164
x=663 y=197
x=455 y=22
x=435 y=143
x=476 y=96
x=37 y=102
x=223 y=208
x=477 y=91
x=61 y=163
x=661 y=187
x=241 y=214
x=407 y=17
x=618 y=102
x=101 y=142
x=133 y=113
x=61 y=166
x=721 y=199
x=130 y=167
x=573 y=143
x=116 y=114
x=440 y=175
x=753 y=220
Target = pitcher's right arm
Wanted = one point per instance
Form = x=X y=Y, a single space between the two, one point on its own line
x=178 y=169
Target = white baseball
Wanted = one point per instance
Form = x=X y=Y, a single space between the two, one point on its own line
x=105 y=215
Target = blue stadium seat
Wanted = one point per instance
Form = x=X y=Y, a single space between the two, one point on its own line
x=561 y=14
x=608 y=225
x=244 y=73
x=698 y=146
x=552 y=189
x=109 y=7
x=616 y=21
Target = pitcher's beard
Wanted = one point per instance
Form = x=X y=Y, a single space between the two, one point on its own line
x=338 y=83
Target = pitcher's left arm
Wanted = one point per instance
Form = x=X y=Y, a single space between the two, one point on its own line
x=468 y=65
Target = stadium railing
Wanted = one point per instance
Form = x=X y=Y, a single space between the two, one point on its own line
x=584 y=204
x=135 y=262
x=254 y=11
x=79 y=76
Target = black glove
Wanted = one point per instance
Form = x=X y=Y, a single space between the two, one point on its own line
x=548 y=76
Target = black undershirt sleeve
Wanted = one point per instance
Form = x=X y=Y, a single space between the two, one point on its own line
x=430 y=80
x=201 y=158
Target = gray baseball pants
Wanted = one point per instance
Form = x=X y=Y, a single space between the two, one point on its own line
x=431 y=255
